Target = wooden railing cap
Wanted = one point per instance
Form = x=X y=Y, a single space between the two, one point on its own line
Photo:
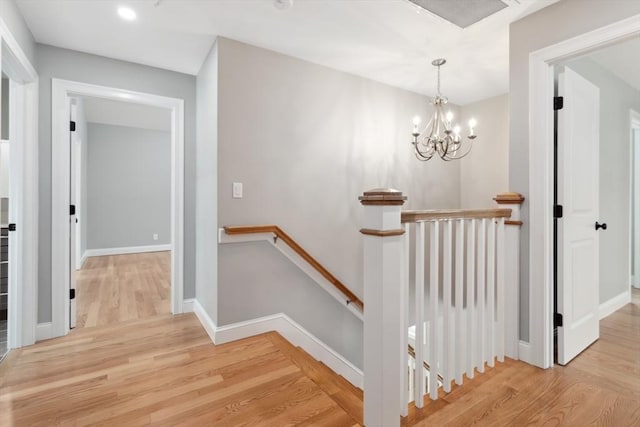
x=382 y=196
x=509 y=198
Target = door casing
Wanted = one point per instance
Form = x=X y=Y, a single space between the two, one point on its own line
x=62 y=91
x=539 y=350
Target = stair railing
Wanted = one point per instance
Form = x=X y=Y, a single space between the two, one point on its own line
x=465 y=299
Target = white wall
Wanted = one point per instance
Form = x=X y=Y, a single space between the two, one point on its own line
x=128 y=186
x=555 y=23
x=306 y=141
x=206 y=185
x=617 y=98
x=485 y=170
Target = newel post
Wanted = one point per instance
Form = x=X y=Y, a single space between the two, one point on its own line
x=383 y=310
x=514 y=202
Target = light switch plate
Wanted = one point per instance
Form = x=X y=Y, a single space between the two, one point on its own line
x=237 y=190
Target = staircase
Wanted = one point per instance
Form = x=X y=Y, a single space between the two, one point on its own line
x=348 y=397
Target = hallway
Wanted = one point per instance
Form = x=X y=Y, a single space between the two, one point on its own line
x=165 y=370
x=118 y=288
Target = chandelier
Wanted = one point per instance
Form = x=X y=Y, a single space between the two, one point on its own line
x=440 y=136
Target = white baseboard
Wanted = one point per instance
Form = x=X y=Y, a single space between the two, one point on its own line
x=127 y=250
x=44 y=331
x=614 y=304
x=524 y=352
x=206 y=321
x=290 y=330
x=83 y=258
x=188 y=305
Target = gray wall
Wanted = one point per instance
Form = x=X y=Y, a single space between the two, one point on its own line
x=616 y=99
x=128 y=186
x=206 y=189
x=306 y=141
x=558 y=22
x=12 y=17
x=485 y=170
x=53 y=62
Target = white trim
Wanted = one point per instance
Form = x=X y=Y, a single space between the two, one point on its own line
x=294 y=257
x=24 y=204
x=290 y=330
x=188 y=305
x=207 y=323
x=61 y=90
x=83 y=258
x=541 y=86
x=126 y=250
x=634 y=211
x=524 y=352
x=43 y=331
x=615 y=304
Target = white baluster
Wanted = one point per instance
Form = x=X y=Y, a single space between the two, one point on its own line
x=448 y=340
x=472 y=330
x=459 y=338
x=419 y=385
x=500 y=285
x=404 y=323
x=491 y=286
x=482 y=336
x=433 y=309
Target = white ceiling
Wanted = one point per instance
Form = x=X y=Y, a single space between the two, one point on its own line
x=390 y=41
x=622 y=59
x=120 y=113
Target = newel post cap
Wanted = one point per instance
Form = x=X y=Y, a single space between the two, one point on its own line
x=382 y=196
x=509 y=198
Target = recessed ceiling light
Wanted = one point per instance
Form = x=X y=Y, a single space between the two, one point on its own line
x=127 y=13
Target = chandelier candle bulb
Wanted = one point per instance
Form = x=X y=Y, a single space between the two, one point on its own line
x=439 y=135
x=416 y=123
x=472 y=125
x=449 y=117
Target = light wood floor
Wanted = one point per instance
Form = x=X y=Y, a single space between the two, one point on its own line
x=118 y=288
x=165 y=371
x=600 y=387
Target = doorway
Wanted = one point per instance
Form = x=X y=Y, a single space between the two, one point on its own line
x=541 y=84
x=120 y=224
x=598 y=197
x=635 y=200
x=63 y=260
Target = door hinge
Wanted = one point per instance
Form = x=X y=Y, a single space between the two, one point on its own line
x=557 y=320
x=557 y=211
x=11 y=227
x=72 y=126
x=72 y=210
x=558 y=102
x=72 y=294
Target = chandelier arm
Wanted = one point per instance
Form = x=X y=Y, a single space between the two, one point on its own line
x=465 y=148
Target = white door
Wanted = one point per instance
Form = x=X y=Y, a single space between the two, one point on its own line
x=578 y=193
x=72 y=222
x=635 y=200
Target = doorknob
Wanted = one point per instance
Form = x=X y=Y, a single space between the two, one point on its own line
x=599 y=226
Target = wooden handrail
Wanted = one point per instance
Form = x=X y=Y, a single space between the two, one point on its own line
x=277 y=231
x=415 y=216
x=412 y=353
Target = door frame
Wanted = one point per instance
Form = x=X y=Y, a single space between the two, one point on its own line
x=61 y=93
x=541 y=92
x=23 y=105
x=634 y=121
x=23 y=122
